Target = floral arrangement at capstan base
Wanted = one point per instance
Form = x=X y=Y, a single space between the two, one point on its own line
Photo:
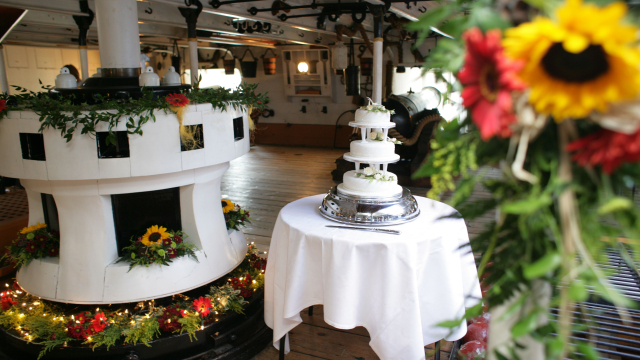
x=234 y=215
x=45 y=323
x=377 y=108
x=33 y=242
x=552 y=90
x=158 y=246
x=373 y=174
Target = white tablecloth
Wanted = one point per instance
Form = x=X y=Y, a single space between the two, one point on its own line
x=397 y=286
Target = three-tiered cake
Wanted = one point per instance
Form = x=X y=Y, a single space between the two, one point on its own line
x=375 y=149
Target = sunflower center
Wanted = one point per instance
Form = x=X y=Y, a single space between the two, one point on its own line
x=224 y=203
x=154 y=237
x=585 y=66
x=488 y=80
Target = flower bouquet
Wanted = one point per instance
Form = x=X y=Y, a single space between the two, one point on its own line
x=552 y=92
x=33 y=242
x=234 y=215
x=372 y=174
x=158 y=246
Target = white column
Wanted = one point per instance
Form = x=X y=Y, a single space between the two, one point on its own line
x=377 y=70
x=84 y=62
x=118 y=34
x=4 y=84
x=193 y=60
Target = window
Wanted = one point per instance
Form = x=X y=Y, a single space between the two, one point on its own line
x=32 y=146
x=50 y=211
x=215 y=77
x=110 y=151
x=134 y=213
x=238 y=128
x=198 y=136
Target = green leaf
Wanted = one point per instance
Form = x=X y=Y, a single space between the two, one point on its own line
x=578 y=291
x=527 y=206
x=616 y=203
x=588 y=351
x=544 y=265
x=450 y=323
x=526 y=325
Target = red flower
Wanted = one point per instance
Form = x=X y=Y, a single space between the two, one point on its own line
x=82 y=317
x=76 y=331
x=41 y=238
x=607 y=148
x=489 y=77
x=53 y=251
x=172 y=252
x=246 y=293
x=177 y=239
x=202 y=305
x=99 y=322
x=3 y=105
x=166 y=242
x=16 y=286
x=31 y=247
x=169 y=319
x=178 y=100
x=6 y=302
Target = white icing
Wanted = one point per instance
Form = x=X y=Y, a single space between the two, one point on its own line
x=353 y=185
x=372 y=149
x=372 y=117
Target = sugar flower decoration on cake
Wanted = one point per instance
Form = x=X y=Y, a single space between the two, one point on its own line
x=155 y=235
x=373 y=107
x=489 y=77
x=227 y=205
x=583 y=60
x=373 y=174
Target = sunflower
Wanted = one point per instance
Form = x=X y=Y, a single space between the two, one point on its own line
x=154 y=235
x=32 y=228
x=227 y=205
x=584 y=60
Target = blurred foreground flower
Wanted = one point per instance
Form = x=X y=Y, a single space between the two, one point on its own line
x=489 y=78
x=583 y=61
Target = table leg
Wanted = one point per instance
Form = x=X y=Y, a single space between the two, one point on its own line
x=310 y=310
x=437 y=347
x=282 y=343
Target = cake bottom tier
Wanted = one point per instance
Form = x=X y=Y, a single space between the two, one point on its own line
x=353 y=185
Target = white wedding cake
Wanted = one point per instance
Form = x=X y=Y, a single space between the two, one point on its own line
x=375 y=149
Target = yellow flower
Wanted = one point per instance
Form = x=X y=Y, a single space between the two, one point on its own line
x=227 y=205
x=154 y=235
x=31 y=228
x=584 y=60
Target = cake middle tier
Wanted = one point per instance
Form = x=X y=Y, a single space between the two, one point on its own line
x=372 y=149
x=360 y=186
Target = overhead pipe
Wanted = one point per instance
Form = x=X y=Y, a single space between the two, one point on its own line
x=191 y=16
x=84 y=23
x=119 y=36
x=378 y=13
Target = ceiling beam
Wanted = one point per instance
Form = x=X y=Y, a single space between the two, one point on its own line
x=69 y=7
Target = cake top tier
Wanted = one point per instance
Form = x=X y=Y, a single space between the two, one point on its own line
x=373 y=114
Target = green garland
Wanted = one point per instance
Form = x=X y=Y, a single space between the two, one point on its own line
x=44 y=323
x=64 y=115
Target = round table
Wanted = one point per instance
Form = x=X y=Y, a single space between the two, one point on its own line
x=399 y=287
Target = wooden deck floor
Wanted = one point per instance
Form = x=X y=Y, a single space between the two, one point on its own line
x=264 y=181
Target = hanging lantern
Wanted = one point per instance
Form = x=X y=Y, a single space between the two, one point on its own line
x=352 y=76
x=339 y=57
x=366 y=63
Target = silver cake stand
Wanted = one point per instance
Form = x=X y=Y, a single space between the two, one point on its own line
x=357 y=210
